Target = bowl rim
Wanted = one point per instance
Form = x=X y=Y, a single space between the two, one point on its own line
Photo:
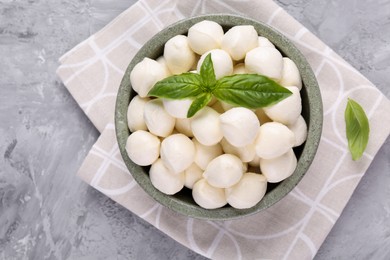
x=315 y=122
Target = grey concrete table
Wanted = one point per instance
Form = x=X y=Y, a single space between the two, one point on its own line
x=46 y=212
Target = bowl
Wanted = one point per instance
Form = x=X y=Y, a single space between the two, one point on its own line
x=183 y=202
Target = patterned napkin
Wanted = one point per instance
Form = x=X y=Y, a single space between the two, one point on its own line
x=295 y=227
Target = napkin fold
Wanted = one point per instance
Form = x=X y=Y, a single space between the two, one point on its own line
x=293 y=228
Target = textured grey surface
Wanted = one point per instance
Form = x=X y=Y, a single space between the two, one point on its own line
x=46 y=212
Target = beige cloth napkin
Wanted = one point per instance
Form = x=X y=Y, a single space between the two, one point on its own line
x=295 y=227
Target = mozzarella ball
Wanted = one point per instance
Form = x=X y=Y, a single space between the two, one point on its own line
x=143 y=148
x=239 y=69
x=204 y=36
x=224 y=171
x=290 y=74
x=163 y=63
x=245 y=153
x=299 y=128
x=164 y=180
x=206 y=126
x=192 y=175
x=183 y=125
x=262 y=116
x=288 y=110
x=205 y=154
x=239 y=126
x=264 y=42
x=279 y=168
x=145 y=74
x=135 y=114
x=177 y=107
x=158 y=121
x=247 y=192
x=273 y=140
x=265 y=61
x=178 y=54
x=238 y=40
x=207 y=196
x=222 y=63
x=177 y=152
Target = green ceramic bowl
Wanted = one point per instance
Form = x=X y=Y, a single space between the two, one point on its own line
x=182 y=202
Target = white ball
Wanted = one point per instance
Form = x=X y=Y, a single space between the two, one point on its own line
x=299 y=128
x=178 y=54
x=274 y=139
x=177 y=152
x=222 y=63
x=264 y=42
x=279 y=168
x=224 y=171
x=206 y=126
x=265 y=61
x=192 y=175
x=207 y=196
x=245 y=153
x=247 y=192
x=205 y=154
x=177 y=108
x=238 y=40
x=204 y=36
x=143 y=148
x=183 y=125
x=164 y=180
x=158 y=121
x=239 y=126
x=290 y=74
x=145 y=74
x=135 y=114
x=288 y=110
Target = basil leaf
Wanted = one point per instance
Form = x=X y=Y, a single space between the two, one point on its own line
x=199 y=102
x=249 y=90
x=357 y=129
x=207 y=73
x=178 y=86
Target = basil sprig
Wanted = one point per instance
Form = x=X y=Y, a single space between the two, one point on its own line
x=357 y=129
x=246 y=90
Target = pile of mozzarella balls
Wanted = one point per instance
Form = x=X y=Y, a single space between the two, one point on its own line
x=225 y=154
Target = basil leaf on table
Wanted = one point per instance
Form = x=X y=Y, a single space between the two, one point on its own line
x=357 y=129
x=250 y=90
x=178 y=86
